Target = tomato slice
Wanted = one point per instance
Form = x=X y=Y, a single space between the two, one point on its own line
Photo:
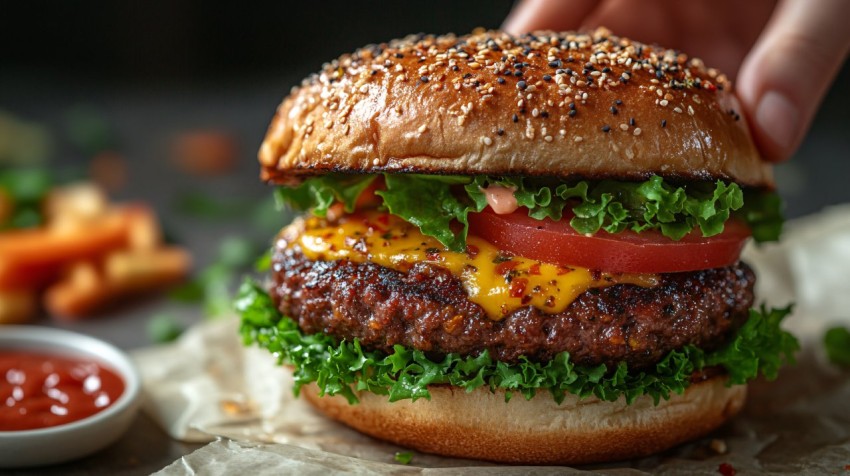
x=367 y=198
x=626 y=252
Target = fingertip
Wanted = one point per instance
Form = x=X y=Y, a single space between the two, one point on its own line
x=779 y=123
x=785 y=76
x=518 y=19
x=531 y=15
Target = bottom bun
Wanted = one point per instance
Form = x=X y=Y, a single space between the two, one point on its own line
x=480 y=425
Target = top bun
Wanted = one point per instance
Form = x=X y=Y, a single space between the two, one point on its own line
x=567 y=105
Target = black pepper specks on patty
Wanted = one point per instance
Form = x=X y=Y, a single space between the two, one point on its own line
x=428 y=309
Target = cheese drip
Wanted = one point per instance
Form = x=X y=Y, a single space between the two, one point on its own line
x=497 y=281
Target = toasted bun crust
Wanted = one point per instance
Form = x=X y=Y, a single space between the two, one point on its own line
x=550 y=104
x=480 y=425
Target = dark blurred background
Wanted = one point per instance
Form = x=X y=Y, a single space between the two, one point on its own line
x=143 y=89
x=196 y=40
x=155 y=69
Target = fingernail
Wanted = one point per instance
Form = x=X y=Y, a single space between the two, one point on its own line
x=779 y=118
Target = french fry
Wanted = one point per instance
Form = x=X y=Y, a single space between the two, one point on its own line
x=125 y=273
x=56 y=245
x=144 y=232
x=87 y=256
x=145 y=270
x=74 y=205
x=34 y=257
x=17 y=306
x=82 y=291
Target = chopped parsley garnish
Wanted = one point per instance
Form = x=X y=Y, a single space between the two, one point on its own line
x=22 y=191
x=163 y=328
x=837 y=344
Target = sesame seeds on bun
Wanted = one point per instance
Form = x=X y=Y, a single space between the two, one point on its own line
x=565 y=105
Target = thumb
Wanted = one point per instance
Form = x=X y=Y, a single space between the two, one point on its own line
x=788 y=72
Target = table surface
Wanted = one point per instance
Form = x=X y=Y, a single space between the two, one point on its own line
x=146 y=118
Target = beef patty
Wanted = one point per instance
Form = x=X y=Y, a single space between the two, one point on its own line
x=428 y=309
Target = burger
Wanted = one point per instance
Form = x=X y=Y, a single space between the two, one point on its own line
x=518 y=249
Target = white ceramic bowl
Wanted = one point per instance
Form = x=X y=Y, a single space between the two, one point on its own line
x=82 y=437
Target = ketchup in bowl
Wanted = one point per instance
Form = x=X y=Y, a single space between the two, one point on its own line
x=39 y=390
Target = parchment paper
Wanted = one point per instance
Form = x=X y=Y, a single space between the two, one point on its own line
x=207 y=387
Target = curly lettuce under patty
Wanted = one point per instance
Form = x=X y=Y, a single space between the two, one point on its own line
x=759 y=347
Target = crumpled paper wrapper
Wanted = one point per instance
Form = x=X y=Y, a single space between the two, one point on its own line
x=207 y=387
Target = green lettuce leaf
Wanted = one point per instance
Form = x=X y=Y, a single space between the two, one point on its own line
x=763 y=213
x=614 y=206
x=439 y=205
x=319 y=193
x=757 y=348
x=342 y=368
x=428 y=202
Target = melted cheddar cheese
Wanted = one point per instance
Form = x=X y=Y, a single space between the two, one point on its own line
x=498 y=282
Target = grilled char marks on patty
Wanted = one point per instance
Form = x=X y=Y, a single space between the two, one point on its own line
x=428 y=309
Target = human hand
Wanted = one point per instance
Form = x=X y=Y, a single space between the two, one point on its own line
x=784 y=54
